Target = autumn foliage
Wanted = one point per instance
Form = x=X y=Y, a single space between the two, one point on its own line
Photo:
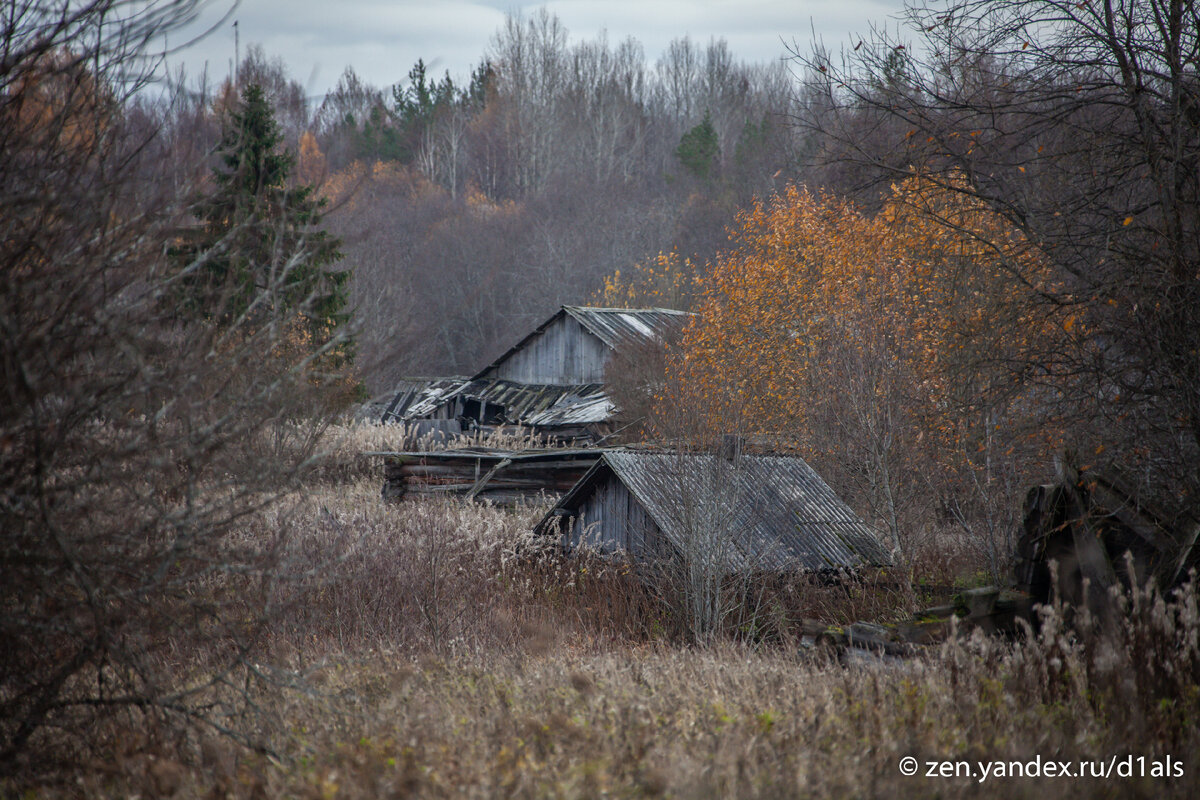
x=669 y=280
x=892 y=349
x=56 y=99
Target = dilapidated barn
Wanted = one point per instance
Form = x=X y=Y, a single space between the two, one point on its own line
x=552 y=380
x=748 y=512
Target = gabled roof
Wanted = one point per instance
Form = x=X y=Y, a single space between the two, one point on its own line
x=778 y=512
x=616 y=327
x=620 y=327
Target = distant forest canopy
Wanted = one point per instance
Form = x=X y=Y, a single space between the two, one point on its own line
x=471 y=208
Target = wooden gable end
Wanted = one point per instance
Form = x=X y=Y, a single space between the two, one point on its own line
x=564 y=352
x=611 y=520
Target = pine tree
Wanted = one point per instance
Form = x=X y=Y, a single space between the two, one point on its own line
x=258 y=253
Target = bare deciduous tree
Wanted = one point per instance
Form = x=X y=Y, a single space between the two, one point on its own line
x=136 y=451
x=710 y=578
x=1080 y=123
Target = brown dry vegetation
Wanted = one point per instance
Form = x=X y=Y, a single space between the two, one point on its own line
x=427 y=650
x=348 y=452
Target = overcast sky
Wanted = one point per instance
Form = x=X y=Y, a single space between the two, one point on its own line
x=382 y=39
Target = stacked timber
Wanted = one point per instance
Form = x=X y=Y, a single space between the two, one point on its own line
x=504 y=477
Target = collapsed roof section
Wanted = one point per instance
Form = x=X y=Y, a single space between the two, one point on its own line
x=500 y=402
x=552 y=380
x=422 y=398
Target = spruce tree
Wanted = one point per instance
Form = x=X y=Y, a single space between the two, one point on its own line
x=258 y=253
x=699 y=149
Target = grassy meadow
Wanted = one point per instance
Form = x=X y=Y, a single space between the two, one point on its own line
x=427 y=649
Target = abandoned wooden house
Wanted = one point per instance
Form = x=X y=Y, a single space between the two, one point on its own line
x=552 y=380
x=748 y=512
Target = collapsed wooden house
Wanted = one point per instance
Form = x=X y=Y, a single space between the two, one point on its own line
x=1100 y=530
x=748 y=512
x=551 y=381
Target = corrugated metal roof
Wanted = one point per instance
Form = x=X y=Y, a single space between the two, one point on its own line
x=616 y=327
x=769 y=512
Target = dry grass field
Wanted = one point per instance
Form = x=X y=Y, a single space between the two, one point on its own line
x=426 y=649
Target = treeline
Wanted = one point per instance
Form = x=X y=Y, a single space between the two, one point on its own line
x=471 y=208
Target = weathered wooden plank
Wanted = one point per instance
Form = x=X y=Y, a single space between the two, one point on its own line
x=485 y=473
x=564 y=353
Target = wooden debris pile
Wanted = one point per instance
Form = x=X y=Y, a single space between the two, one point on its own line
x=1080 y=537
x=1100 y=529
x=990 y=609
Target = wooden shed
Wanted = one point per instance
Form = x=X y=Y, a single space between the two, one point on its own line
x=749 y=512
x=552 y=380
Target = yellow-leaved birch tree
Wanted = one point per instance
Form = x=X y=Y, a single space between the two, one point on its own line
x=891 y=349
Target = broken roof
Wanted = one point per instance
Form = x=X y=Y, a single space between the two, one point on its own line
x=778 y=512
x=544 y=405
x=616 y=327
x=420 y=397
